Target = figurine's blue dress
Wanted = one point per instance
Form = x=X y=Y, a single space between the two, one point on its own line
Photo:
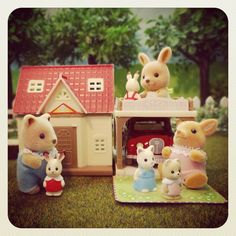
x=146 y=180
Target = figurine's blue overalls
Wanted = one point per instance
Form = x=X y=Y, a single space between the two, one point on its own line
x=146 y=180
x=27 y=177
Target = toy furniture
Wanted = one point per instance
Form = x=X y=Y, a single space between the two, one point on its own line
x=80 y=101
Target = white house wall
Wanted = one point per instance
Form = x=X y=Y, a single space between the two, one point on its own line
x=98 y=127
x=88 y=129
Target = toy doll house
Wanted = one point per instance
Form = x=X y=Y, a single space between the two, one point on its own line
x=80 y=100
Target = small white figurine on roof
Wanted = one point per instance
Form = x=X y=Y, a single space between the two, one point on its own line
x=132 y=87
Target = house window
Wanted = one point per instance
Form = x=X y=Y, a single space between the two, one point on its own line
x=63 y=95
x=99 y=144
x=35 y=86
x=95 y=85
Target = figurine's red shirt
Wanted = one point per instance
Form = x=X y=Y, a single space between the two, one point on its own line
x=53 y=185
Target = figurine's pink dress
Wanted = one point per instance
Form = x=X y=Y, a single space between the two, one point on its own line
x=188 y=167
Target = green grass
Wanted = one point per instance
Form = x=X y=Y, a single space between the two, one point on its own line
x=89 y=202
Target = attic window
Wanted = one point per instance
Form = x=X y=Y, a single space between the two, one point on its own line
x=35 y=86
x=95 y=85
x=63 y=95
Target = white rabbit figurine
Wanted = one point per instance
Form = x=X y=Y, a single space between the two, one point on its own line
x=54 y=182
x=132 y=87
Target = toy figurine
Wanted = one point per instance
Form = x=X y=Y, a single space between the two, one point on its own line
x=54 y=182
x=144 y=176
x=155 y=74
x=189 y=138
x=39 y=139
x=132 y=87
x=171 y=182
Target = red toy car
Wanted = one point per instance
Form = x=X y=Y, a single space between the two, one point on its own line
x=148 y=131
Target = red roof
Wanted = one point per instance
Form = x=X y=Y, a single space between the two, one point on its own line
x=75 y=77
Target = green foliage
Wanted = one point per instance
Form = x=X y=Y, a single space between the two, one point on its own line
x=211 y=109
x=26 y=36
x=196 y=34
x=69 y=35
x=100 y=35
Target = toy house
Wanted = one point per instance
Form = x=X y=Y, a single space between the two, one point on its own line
x=80 y=100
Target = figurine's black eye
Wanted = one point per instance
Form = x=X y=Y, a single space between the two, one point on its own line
x=193 y=131
x=156 y=74
x=179 y=170
x=143 y=76
x=56 y=169
x=145 y=160
x=49 y=168
x=42 y=135
x=172 y=172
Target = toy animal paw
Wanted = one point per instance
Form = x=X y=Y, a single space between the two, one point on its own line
x=32 y=161
x=196 y=181
x=166 y=151
x=197 y=156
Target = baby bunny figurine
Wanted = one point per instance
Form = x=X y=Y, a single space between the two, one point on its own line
x=171 y=183
x=155 y=74
x=54 y=182
x=144 y=176
x=132 y=87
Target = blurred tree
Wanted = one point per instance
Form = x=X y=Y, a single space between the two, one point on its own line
x=200 y=35
x=97 y=35
x=26 y=40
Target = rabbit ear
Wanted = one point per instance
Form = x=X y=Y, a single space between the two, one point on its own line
x=165 y=55
x=209 y=126
x=129 y=76
x=143 y=58
x=61 y=156
x=136 y=75
x=46 y=157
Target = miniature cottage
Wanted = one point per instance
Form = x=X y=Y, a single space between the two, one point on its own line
x=80 y=100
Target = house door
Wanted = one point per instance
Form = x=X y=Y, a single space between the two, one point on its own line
x=67 y=141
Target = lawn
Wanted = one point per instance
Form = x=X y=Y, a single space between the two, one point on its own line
x=88 y=202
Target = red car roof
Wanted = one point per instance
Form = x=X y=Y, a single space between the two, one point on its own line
x=75 y=77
